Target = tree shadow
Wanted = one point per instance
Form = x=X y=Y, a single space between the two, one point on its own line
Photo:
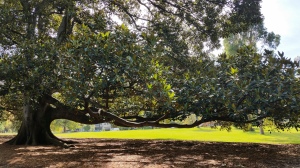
x=151 y=153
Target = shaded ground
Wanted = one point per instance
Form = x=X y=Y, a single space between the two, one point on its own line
x=153 y=154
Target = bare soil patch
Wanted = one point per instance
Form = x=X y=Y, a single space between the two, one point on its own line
x=112 y=153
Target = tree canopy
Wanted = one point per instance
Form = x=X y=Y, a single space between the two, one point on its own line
x=136 y=63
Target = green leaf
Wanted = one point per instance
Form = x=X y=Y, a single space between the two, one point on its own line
x=124 y=27
x=107 y=34
x=149 y=86
x=187 y=76
x=144 y=35
x=167 y=87
x=157 y=64
x=233 y=71
x=171 y=95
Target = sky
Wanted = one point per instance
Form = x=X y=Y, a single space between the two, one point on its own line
x=283 y=18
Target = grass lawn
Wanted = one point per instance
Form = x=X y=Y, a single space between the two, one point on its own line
x=195 y=134
x=8 y=134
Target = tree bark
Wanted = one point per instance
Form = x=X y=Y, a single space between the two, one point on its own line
x=261 y=127
x=35 y=128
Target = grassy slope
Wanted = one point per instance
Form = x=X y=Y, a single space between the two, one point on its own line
x=195 y=134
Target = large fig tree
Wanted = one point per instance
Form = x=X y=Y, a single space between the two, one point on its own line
x=134 y=63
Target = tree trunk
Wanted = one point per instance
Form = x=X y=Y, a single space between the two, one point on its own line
x=35 y=128
x=261 y=128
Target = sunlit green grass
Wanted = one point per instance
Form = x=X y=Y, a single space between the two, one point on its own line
x=195 y=134
x=8 y=134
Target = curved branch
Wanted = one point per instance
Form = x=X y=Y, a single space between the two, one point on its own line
x=123 y=122
x=139 y=119
x=61 y=111
x=87 y=116
x=80 y=116
x=128 y=13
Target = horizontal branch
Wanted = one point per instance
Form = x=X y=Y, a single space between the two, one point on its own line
x=123 y=122
x=143 y=119
x=90 y=116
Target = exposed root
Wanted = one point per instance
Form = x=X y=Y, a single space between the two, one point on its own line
x=44 y=138
x=51 y=135
x=57 y=142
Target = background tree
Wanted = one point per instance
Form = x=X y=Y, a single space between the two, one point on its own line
x=110 y=62
x=10 y=112
x=64 y=125
x=256 y=36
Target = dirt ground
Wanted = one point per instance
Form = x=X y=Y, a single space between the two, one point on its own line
x=112 y=153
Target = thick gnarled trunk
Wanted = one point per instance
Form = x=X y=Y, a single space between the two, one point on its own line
x=37 y=117
x=35 y=128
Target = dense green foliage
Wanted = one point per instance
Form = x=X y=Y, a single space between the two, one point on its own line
x=136 y=63
x=258 y=38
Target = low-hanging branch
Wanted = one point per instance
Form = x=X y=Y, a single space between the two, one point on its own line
x=90 y=115
x=119 y=121
x=156 y=118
